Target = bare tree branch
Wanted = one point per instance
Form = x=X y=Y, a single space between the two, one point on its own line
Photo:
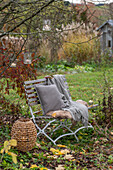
x=23 y=21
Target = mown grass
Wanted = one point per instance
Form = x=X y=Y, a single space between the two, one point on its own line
x=88 y=86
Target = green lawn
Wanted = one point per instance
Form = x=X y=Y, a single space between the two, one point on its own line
x=88 y=86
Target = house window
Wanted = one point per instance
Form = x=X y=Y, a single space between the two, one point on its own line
x=109 y=43
x=109 y=32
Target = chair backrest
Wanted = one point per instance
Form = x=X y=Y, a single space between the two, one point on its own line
x=30 y=91
x=31 y=94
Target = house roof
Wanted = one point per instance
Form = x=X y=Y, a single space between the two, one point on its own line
x=109 y=22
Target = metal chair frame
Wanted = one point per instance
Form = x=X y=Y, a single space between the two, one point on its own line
x=33 y=100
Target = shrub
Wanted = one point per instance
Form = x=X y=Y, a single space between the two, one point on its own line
x=106 y=110
x=77 y=47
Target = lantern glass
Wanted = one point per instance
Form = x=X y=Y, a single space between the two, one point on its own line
x=27 y=58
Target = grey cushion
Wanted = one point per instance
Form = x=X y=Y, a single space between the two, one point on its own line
x=50 y=98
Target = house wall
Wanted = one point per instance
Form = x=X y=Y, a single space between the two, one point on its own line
x=107 y=39
x=103 y=38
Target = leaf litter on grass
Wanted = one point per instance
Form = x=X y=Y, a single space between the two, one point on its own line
x=81 y=157
x=95 y=152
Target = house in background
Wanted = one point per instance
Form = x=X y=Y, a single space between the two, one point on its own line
x=106 y=38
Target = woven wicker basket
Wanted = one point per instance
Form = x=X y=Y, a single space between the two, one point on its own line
x=25 y=133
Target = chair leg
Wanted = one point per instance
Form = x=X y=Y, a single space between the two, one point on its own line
x=42 y=131
x=67 y=134
x=62 y=124
x=56 y=129
x=83 y=127
x=73 y=133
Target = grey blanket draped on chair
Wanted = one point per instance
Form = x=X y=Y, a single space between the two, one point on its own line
x=77 y=110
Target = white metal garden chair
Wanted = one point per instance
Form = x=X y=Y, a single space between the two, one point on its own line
x=59 y=117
